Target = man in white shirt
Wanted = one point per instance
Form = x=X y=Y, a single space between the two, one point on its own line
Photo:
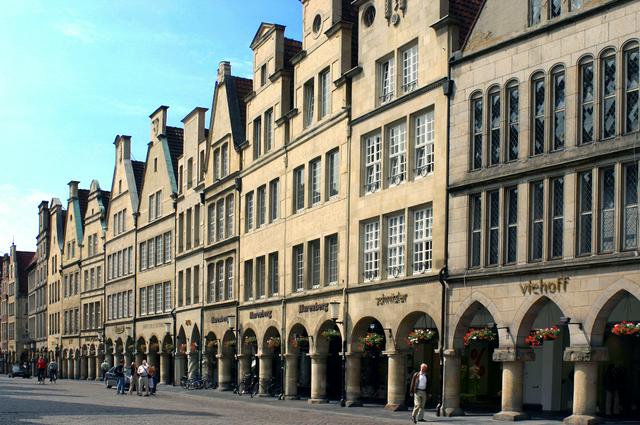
x=418 y=389
x=143 y=373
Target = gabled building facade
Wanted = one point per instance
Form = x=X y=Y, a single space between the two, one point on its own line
x=55 y=291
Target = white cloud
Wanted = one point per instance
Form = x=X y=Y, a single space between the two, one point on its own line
x=19 y=216
x=83 y=31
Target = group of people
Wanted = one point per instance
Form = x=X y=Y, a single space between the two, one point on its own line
x=143 y=378
x=44 y=369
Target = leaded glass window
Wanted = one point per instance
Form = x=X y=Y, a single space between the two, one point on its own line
x=477 y=133
x=585 y=191
x=512 y=225
x=558 y=109
x=630 y=236
x=298 y=186
x=607 y=209
x=397 y=154
x=576 y=4
x=513 y=99
x=608 y=96
x=537 y=220
x=476 y=229
x=535 y=11
x=557 y=216
x=494 y=105
x=395 y=246
x=373 y=167
x=538 y=120
x=493 y=247
x=555 y=8
x=632 y=86
x=586 y=102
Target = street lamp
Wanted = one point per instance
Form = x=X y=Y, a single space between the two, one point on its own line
x=334 y=312
x=231 y=323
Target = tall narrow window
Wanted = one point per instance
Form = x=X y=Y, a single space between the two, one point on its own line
x=248 y=280
x=187 y=287
x=211 y=223
x=298 y=267
x=314 y=263
x=475 y=203
x=211 y=283
x=325 y=93
x=494 y=122
x=608 y=120
x=557 y=216
x=576 y=4
x=333 y=174
x=225 y=159
x=558 y=105
x=180 y=289
x=493 y=241
x=220 y=217
x=257 y=138
x=229 y=214
x=387 y=76
x=424 y=133
x=586 y=101
x=248 y=202
x=555 y=8
x=371 y=260
x=535 y=11
x=331 y=246
x=410 y=68
x=308 y=103
x=314 y=182
x=511 y=237
x=585 y=191
x=607 y=209
x=513 y=98
x=196 y=225
x=273 y=274
x=260 y=276
x=262 y=206
x=395 y=246
x=298 y=189
x=537 y=220
x=397 y=154
x=476 y=105
x=167 y=298
x=268 y=130
x=632 y=87
x=274 y=200
x=373 y=167
x=189 y=173
x=188 y=229
x=263 y=75
x=422 y=240
x=228 y=269
x=220 y=281
x=630 y=226
x=538 y=118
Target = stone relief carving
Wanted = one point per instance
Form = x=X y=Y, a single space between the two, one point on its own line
x=392 y=9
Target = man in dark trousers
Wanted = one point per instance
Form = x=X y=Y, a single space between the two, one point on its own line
x=418 y=389
x=119 y=373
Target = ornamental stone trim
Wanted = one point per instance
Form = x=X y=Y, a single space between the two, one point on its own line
x=513 y=355
x=586 y=354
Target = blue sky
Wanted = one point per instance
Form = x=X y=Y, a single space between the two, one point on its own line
x=74 y=74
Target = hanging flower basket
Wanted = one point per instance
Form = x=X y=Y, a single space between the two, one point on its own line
x=299 y=342
x=420 y=336
x=626 y=328
x=142 y=348
x=538 y=336
x=130 y=347
x=248 y=340
x=372 y=341
x=478 y=335
x=194 y=347
x=330 y=334
x=154 y=346
x=168 y=348
x=182 y=348
x=212 y=345
x=273 y=342
x=230 y=343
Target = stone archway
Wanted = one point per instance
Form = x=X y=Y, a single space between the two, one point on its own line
x=367 y=379
x=210 y=358
x=180 y=362
x=329 y=342
x=270 y=359
x=166 y=355
x=195 y=348
x=298 y=363
x=140 y=350
x=227 y=368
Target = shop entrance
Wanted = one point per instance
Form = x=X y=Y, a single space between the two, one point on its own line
x=329 y=341
x=299 y=346
x=371 y=340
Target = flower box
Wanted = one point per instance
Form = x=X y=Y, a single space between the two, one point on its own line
x=301 y=342
x=420 y=336
x=330 y=334
x=538 y=336
x=248 y=340
x=372 y=341
x=273 y=342
x=478 y=335
x=626 y=328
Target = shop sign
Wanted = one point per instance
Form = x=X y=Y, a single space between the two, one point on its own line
x=392 y=299
x=261 y=314
x=545 y=287
x=119 y=330
x=219 y=319
x=304 y=308
x=152 y=325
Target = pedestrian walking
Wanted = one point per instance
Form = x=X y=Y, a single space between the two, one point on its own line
x=133 y=386
x=152 y=380
x=53 y=370
x=143 y=383
x=41 y=368
x=104 y=367
x=119 y=373
x=419 y=390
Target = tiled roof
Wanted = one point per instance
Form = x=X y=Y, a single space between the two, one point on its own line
x=174 y=139
x=244 y=86
x=291 y=48
x=106 y=197
x=465 y=11
x=138 y=174
x=24 y=259
x=83 y=198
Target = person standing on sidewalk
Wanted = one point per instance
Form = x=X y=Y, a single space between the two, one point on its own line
x=104 y=367
x=134 y=385
x=143 y=373
x=419 y=387
x=152 y=380
x=119 y=373
x=41 y=368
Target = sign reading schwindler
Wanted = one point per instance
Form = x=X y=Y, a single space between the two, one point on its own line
x=261 y=314
x=545 y=287
x=303 y=308
x=392 y=299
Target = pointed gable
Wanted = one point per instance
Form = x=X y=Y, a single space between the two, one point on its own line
x=264 y=30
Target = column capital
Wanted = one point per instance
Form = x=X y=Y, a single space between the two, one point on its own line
x=513 y=355
x=395 y=353
x=353 y=354
x=451 y=352
x=586 y=354
x=317 y=356
x=291 y=356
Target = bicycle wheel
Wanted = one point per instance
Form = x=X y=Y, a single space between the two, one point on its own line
x=254 y=388
x=242 y=388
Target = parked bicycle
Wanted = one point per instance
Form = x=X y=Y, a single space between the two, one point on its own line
x=197 y=383
x=272 y=388
x=248 y=385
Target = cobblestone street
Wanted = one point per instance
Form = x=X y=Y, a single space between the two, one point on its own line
x=23 y=401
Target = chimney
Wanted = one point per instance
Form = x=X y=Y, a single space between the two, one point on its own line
x=224 y=69
x=123 y=147
x=73 y=189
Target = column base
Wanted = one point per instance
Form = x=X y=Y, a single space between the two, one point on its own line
x=318 y=401
x=395 y=407
x=292 y=397
x=451 y=411
x=582 y=420
x=510 y=416
x=225 y=387
x=349 y=403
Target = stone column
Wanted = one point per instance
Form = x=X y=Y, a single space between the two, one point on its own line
x=91 y=373
x=128 y=358
x=180 y=367
x=353 y=380
x=512 y=382
x=62 y=365
x=318 y=378
x=117 y=358
x=451 y=396
x=396 y=380
x=244 y=366
x=139 y=357
x=585 y=383
x=70 y=368
x=192 y=364
x=291 y=376
x=165 y=361
x=225 y=363
x=206 y=365
x=110 y=360
x=78 y=368
x=266 y=362
x=99 y=360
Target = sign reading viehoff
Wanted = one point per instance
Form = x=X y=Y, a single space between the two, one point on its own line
x=304 y=308
x=545 y=287
x=261 y=314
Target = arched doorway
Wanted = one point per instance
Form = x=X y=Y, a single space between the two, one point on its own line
x=152 y=353
x=298 y=363
x=617 y=329
x=227 y=367
x=369 y=339
x=329 y=341
x=180 y=356
x=418 y=337
x=195 y=348
x=271 y=359
x=249 y=362
x=165 y=360
x=209 y=358
x=548 y=380
x=141 y=350
x=476 y=336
